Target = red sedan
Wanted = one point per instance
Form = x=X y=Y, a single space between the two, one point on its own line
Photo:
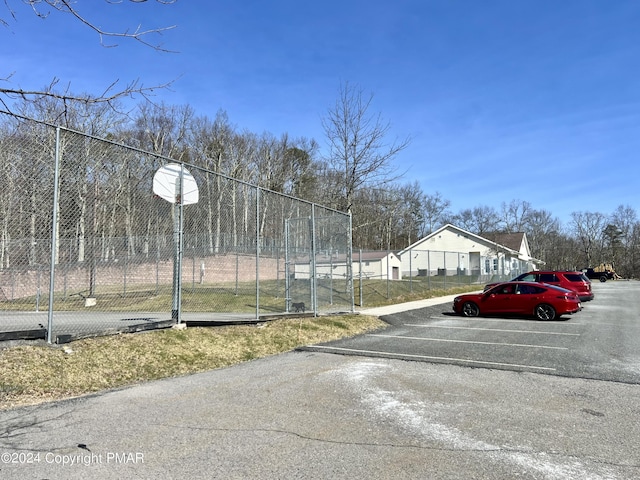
x=545 y=302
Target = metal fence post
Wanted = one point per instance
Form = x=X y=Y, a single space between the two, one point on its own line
x=444 y=265
x=287 y=280
x=360 y=275
x=314 y=285
x=429 y=270
x=350 y=262
x=410 y=271
x=177 y=239
x=388 y=284
x=257 y=253
x=54 y=239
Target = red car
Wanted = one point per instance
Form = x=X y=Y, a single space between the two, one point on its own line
x=571 y=280
x=545 y=302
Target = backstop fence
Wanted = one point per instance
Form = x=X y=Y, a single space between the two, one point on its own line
x=87 y=243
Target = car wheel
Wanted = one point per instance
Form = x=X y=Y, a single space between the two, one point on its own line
x=603 y=278
x=470 y=309
x=545 y=312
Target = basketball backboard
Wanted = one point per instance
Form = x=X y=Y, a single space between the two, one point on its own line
x=166 y=184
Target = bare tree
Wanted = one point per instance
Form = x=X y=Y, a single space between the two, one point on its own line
x=211 y=143
x=612 y=243
x=436 y=209
x=163 y=129
x=625 y=219
x=111 y=92
x=413 y=215
x=542 y=234
x=357 y=145
x=588 y=229
x=479 y=220
x=160 y=129
x=515 y=215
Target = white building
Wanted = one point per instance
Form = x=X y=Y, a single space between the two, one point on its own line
x=371 y=265
x=453 y=251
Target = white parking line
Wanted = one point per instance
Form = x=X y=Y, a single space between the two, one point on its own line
x=504 y=320
x=425 y=357
x=493 y=330
x=468 y=341
x=619 y=325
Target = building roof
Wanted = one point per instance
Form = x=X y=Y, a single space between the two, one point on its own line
x=509 y=240
x=373 y=255
x=448 y=226
x=367 y=256
x=515 y=243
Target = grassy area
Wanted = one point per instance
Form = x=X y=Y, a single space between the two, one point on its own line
x=241 y=298
x=36 y=372
x=377 y=293
x=31 y=374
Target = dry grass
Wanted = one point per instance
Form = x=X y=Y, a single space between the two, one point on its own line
x=38 y=373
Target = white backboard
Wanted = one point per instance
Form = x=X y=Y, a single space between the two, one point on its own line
x=166 y=184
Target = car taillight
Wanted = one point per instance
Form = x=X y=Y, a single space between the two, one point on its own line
x=567 y=298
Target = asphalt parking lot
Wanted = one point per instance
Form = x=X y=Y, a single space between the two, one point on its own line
x=481 y=400
x=600 y=342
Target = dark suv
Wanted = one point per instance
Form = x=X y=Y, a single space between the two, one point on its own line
x=571 y=280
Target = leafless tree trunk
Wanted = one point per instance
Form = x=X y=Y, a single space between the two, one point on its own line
x=543 y=233
x=515 y=215
x=357 y=145
x=435 y=210
x=479 y=220
x=587 y=228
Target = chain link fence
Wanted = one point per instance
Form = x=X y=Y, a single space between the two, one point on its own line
x=462 y=268
x=383 y=275
x=86 y=246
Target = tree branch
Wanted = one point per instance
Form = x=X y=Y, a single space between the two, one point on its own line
x=110 y=94
x=66 y=6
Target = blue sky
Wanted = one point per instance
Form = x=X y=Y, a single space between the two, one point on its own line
x=529 y=100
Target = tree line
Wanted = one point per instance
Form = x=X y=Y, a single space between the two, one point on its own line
x=356 y=174
x=387 y=213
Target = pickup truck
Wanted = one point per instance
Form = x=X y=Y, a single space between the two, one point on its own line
x=603 y=276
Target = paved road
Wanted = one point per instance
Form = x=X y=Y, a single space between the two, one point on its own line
x=601 y=342
x=316 y=415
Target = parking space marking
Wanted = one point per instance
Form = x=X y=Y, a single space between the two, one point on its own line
x=493 y=330
x=625 y=325
x=504 y=320
x=426 y=357
x=469 y=341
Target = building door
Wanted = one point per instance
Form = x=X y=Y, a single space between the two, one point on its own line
x=474 y=263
